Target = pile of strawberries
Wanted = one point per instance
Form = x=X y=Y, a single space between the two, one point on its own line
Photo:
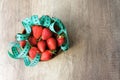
x=44 y=42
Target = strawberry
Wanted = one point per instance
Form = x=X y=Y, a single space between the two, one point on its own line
x=22 y=43
x=46 y=55
x=33 y=41
x=46 y=33
x=52 y=43
x=41 y=45
x=60 y=40
x=33 y=51
x=37 y=31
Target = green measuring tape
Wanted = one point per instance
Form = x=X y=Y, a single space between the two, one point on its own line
x=17 y=52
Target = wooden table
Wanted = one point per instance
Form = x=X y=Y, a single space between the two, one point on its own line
x=94 y=33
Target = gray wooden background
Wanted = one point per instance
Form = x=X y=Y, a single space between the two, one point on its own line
x=94 y=32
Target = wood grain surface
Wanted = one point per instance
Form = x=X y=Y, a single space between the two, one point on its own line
x=94 y=32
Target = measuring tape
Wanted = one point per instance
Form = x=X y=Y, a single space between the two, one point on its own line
x=17 y=52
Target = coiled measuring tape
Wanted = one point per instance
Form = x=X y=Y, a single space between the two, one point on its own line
x=17 y=52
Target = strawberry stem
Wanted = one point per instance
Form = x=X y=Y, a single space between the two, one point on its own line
x=62 y=35
x=53 y=51
x=39 y=39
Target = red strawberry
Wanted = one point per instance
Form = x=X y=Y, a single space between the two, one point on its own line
x=33 y=41
x=46 y=55
x=37 y=31
x=52 y=43
x=41 y=45
x=32 y=52
x=60 y=40
x=22 y=43
x=46 y=33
